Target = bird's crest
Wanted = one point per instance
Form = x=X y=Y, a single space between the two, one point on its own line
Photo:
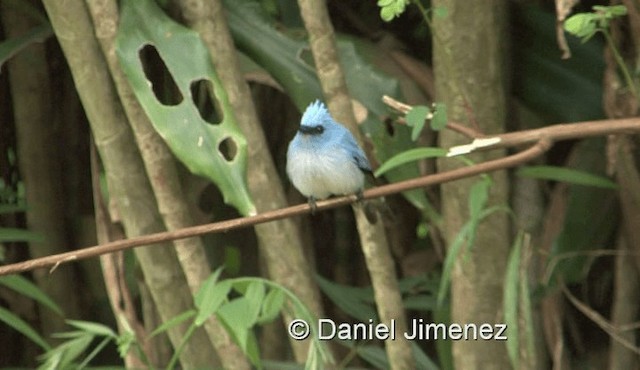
x=315 y=114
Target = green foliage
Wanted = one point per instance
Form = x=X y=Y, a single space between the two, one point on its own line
x=439 y=119
x=419 y=114
x=355 y=302
x=67 y=354
x=390 y=9
x=408 y=156
x=517 y=305
x=568 y=175
x=9 y=234
x=255 y=301
x=199 y=144
x=478 y=197
x=586 y=25
x=416 y=119
x=359 y=303
x=377 y=357
x=25 y=287
x=12 y=202
x=15 y=322
x=19 y=283
x=12 y=46
x=558 y=90
x=583 y=229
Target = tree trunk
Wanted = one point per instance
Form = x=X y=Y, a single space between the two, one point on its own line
x=280 y=242
x=469 y=70
x=39 y=160
x=128 y=184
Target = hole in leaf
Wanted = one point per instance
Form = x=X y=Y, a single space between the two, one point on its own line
x=163 y=85
x=228 y=149
x=206 y=102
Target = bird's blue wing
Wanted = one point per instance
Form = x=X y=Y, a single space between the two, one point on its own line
x=356 y=152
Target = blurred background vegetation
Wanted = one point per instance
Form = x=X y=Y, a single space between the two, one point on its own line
x=98 y=142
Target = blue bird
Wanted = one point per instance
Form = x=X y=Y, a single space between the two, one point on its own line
x=324 y=158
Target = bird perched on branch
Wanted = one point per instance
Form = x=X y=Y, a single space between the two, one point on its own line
x=324 y=158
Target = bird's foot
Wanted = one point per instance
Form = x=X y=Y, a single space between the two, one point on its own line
x=312 y=204
x=360 y=196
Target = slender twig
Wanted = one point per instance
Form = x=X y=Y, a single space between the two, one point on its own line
x=605 y=325
x=542 y=137
x=454 y=126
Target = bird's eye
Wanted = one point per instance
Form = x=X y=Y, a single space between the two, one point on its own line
x=312 y=130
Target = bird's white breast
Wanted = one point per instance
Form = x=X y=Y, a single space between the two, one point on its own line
x=319 y=176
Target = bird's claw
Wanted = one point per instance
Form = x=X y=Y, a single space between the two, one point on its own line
x=312 y=204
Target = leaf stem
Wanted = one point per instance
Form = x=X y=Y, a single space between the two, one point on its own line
x=623 y=67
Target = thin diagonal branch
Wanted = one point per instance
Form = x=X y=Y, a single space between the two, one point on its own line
x=224 y=226
x=544 y=137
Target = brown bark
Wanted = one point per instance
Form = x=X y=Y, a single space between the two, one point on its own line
x=469 y=70
x=39 y=161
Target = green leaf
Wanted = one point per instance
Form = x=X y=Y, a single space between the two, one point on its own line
x=173 y=322
x=440 y=11
x=374 y=355
x=611 y=11
x=272 y=305
x=212 y=300
x=580 y=234
x=355 y=302
x=207 y=286
x=527 y=317
x=387 y=13
x=96 y=350
x=618 y=10
x=66 y=353
x=232 y=260
x=14 y=45
x=452 y=254
x=568 y=175
x=234 y=314
x=255 y=297
x=581 y=25
x=478 y=196
x=420 y=302
x=93 y=328
x=408 y=156
x=511 y=301
x=8 y=234
x=196 y=142
x=25 y=287
x=12 y=320
x=390 y=9
x=439 y=119
x=416 y=119
x=466 y=233
x=126 y=339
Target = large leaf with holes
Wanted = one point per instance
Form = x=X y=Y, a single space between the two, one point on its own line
x=200 y=145
x=287 y=57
